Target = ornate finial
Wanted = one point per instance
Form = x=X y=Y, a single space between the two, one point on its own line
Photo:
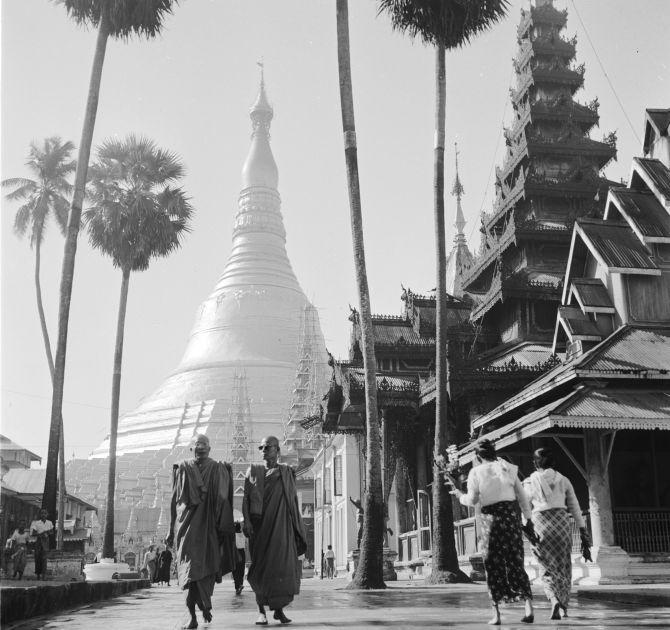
x=458 y=191
x=261 y=111
x=261 y=64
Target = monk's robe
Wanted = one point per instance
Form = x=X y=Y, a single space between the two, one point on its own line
x=271 y=506
x=202 y=498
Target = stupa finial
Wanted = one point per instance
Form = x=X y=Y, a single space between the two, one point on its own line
x=260 y=168
x=458 y=191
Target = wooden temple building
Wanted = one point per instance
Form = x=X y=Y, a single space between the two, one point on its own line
x=558 y=334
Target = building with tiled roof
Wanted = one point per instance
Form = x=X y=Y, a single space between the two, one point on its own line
x=605 y=410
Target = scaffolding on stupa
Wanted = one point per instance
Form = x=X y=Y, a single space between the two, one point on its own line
x=306 y=395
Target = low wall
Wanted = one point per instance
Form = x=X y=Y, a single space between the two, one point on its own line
x=23 y=602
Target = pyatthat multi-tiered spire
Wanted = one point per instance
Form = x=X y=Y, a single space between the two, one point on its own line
x=460 y=257
x=550 y=176
x=251 y=324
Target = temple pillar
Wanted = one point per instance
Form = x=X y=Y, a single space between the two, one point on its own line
x=610 y=562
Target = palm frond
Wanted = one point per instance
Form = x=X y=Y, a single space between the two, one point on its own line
x=144 y=18
x=133 y=218
x=22 y=219
x=25 y=188
x=46 y=194
x=451 y=23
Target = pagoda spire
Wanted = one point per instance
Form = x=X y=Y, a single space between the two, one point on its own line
x=458 y=191
x=260 y=168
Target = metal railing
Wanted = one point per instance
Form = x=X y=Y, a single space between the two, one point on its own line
x=642 y=531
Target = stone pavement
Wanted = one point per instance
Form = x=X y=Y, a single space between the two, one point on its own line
x=323 y=604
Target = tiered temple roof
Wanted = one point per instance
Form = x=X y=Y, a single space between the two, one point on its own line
x=550 y=176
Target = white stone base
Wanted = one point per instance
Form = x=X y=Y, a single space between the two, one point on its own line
x=610 y=566
x=104 y=570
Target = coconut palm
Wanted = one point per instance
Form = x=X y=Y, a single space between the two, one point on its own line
x=369 y=573
x=43 y=197
x=119 y=19
x=136 y=215
x=444 y=24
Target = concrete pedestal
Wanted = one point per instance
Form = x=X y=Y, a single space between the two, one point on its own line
x=610 y=566
x=104 y=570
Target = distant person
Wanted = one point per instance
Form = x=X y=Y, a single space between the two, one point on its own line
x=552 y=497
x=42 y=529
x=330 y=562
x=201 y=521
x=494 y=487
x=164 y=566
x=276 y=532
x=359 y=520
x=240 y=558
x=149 y=563
x=19 y=542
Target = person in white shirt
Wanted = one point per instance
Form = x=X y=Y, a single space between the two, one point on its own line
x=330 y=562
x=42 y=529
x=495 y=490
x=552 y=497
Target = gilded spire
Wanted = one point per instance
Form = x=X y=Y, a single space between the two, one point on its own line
x=458 y=191
x=260 y=168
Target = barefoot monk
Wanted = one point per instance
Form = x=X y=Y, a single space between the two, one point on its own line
x=274 y=524
x=202 y=524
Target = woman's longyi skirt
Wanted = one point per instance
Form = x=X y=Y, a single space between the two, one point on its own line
x=553 y=552
x=506 y=577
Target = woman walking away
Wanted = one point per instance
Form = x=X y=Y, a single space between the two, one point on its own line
x=552 y=497
x=19 y=540
x=494 y=488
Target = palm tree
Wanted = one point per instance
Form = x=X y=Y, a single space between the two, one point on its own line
x=444 y=24
x=369 y=573
x=135 y=215
x=42 y=197
x=113 y=18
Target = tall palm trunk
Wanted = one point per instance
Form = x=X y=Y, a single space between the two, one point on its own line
x=369 y=573
x=67 y=275
x=50 y=361
x=445 y=561
x=108 y=544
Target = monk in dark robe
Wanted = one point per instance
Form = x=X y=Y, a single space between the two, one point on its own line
x=202 y=522
x=273 y=523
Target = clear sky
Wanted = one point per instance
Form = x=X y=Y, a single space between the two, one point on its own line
x=190 y=90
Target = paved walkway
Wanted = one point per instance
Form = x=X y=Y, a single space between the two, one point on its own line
x=323 y=604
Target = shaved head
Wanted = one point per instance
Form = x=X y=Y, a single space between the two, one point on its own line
x=270 y=448
x=200 y=437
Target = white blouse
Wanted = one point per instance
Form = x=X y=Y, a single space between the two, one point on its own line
x=495 y=481
x=548 y=489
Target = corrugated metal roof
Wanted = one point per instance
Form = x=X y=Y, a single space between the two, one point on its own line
x=586 y=408
x=393 y=332
x=6 y=444
x=617 y=244
x=577 y=323
x=26 y=481
x=619 y=404
x=628 y=350
x=657 y=172
x=31 y=481
x=644 y=211
x=635 y=350
x=591 y=292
